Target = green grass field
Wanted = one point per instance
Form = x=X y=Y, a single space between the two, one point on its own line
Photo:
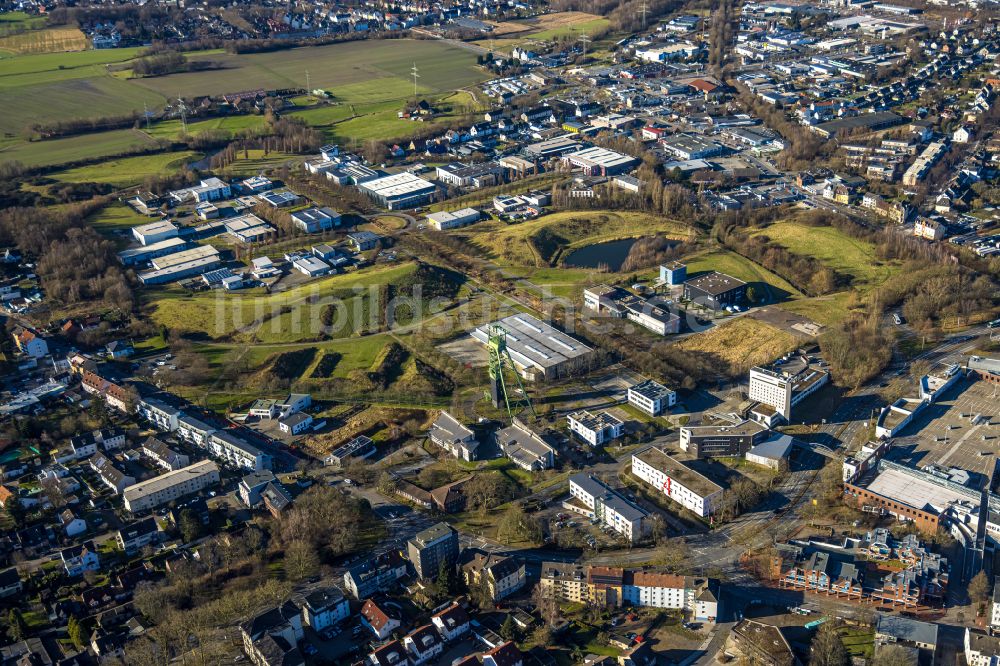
x=73 y=148
x=117 y=217
x=127 y=170
x=21 y=20
x=510 y=244
x=278 y=318
x=740 y=267
x=835 y=249
x=583 y=27
x=369 y=70
x=173 y=129
x=51 y=87
x=256 y=161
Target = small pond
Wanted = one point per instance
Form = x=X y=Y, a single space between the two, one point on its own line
x=611 y=254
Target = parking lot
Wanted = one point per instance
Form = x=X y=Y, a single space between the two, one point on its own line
x=944 y=433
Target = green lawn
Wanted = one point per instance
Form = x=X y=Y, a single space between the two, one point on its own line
x=583 y=27
x=256 y=161
x=127 y=171
x=21 y=20
x=116 y=217
x=283 y=317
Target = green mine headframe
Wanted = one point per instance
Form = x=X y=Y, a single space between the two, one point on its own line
x=500 y=360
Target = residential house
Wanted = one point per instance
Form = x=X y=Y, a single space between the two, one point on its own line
x=423 y=644
x=391 y=654
x=375 y=574
x=271 y=638
x=79 y=559
x=29 y=343
x=71 y=525
x=138 y=534
x=497 y=575
x=161 y=454
x=110 y=475
x=452 y=622
x=10 y=583
x=505 y=654
x=325 y=607
x=379 y=619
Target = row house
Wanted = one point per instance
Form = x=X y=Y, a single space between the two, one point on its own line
x=114 y=395
x=821 y=572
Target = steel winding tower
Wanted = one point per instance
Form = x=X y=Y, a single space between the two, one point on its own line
x=500 y=360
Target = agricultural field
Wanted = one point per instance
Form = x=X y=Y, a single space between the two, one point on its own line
x=551 y=26
x=39 y=88
x=736 y=346
x=47 y=40
x=540 y=242
x=127 y=171
x=73 y=148
x=363 y=71
x=297 y=315
x=21 y=21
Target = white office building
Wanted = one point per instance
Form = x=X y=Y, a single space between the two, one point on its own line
x=651 y=397
x=786 y=383
x=595 y=429
x=608 y=506
x=677 y=481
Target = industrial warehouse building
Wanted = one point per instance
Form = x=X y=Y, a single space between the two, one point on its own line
x=451 y=220
x=715 y=290
x=179 y=265
x=399 y=191
x=597 y=161
x=538 y=350
x=167 y=487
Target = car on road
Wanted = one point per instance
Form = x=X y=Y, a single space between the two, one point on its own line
x=896 y=319
x=994 y=324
